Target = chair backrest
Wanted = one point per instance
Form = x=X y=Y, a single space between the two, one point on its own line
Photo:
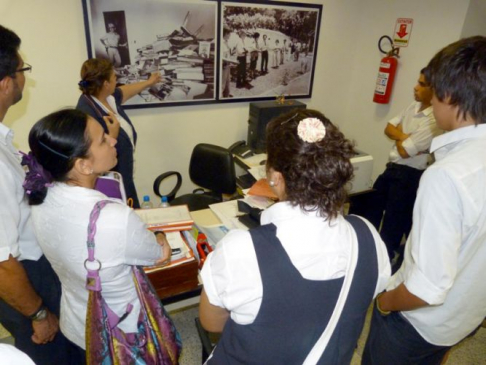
x=212 y=167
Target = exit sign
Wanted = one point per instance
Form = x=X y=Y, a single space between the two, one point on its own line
x=403 y=29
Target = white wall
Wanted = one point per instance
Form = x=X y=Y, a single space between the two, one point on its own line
x=436 y=24
x=474 y=23
x=53 y=41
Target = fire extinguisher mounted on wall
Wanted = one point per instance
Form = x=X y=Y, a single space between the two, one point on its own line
x=386 y=73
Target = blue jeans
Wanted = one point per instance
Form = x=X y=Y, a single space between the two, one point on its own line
x=393 y=340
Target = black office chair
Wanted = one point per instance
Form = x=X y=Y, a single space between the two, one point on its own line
x=212 y=168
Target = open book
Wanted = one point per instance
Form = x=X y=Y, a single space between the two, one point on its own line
x=181 y=252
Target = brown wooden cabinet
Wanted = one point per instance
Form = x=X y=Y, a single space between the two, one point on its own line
x=176 y=280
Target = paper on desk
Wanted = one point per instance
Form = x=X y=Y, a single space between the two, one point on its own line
x=175 y=241
x=214 y=233
x=255 y=160
x=228 y=214
x=258 y=172
x=259 y=202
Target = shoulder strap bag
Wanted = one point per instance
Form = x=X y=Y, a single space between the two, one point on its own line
x=156 y=341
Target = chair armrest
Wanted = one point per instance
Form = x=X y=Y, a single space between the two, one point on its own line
x=170 y=196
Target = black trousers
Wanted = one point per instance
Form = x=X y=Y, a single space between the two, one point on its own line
x=393 y=340
x=241 y=71
x=264 y=63
x=47 y=285
x=391 y=202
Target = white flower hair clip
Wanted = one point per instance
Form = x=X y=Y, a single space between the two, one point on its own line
x=311 y=130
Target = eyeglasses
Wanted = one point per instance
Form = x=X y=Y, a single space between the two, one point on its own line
x=26 y=68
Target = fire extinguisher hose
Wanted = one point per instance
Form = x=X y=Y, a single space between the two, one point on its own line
x=394 y=50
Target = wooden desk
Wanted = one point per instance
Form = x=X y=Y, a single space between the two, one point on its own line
x=181 y=282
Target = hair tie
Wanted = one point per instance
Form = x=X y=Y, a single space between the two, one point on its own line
x=83 y=83
x=36 y=178
x=311 y=130
x=53 y=151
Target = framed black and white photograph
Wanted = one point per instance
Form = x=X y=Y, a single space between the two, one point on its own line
x=178 y=38
x=267 y=50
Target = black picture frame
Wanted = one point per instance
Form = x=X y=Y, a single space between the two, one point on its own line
x=176 y=37
x=160 y=35
x=292 y=35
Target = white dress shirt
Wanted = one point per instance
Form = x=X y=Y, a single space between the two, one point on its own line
x=121 y=240
x=123 y=123
x=421 y=128
x=16 y=231
x=10 y=355
x=317 y=249
x=445 y=255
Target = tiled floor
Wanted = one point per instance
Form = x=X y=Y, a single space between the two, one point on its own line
x=471 y=352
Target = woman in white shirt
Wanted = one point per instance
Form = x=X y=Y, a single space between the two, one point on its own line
x=273 y=290
x=69 y=151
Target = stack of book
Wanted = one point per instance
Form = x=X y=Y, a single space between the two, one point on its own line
x=173 y=221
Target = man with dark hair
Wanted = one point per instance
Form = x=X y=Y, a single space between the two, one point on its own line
x=111 y=41
x=227 y=55
x=438 y=296
x=30 y=291
x=396 y=188
x=264 y=49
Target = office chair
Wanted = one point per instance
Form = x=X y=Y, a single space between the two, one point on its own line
x=212 y=168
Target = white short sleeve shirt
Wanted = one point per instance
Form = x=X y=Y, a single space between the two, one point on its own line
x=319 y=250
x=421 y=128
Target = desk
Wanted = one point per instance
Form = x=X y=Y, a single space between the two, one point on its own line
x=362 y=165
x=181 y=282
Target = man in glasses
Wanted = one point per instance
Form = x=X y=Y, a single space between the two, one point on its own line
x=30 y=291
x=111 y=41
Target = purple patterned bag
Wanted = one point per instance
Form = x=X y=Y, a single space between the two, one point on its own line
x=157 y=340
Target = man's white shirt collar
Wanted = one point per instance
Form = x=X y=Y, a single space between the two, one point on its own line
x=457 y=135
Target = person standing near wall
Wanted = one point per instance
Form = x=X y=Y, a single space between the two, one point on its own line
x=264 y=49
x=254 y=55
x=396 y=188
x=227 y=53
x=275 y=54
x=30 y=291
x=102 y=100
x=438 y=296
x=111 y=41
x=241 y=52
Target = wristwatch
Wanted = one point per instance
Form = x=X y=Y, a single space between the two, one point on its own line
x=40 y=315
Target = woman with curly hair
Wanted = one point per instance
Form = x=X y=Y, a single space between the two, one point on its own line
x=296 y=289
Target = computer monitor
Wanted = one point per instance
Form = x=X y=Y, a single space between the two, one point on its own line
x=260 y=114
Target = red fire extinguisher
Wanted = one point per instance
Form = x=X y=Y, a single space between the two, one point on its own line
x=386 y=75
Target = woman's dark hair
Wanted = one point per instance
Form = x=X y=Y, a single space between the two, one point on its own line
x=94 y=73
x=458 y=72
x=316 y=173
x=9 y=58
x=56 y=142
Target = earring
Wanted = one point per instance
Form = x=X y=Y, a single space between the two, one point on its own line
x=91 y=172
x=271 y=183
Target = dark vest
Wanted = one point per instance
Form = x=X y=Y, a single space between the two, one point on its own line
x=123 y=147
x=295 y=311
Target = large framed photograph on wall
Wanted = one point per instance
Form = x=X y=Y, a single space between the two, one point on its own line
x=178 y=38
x=267 y=49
